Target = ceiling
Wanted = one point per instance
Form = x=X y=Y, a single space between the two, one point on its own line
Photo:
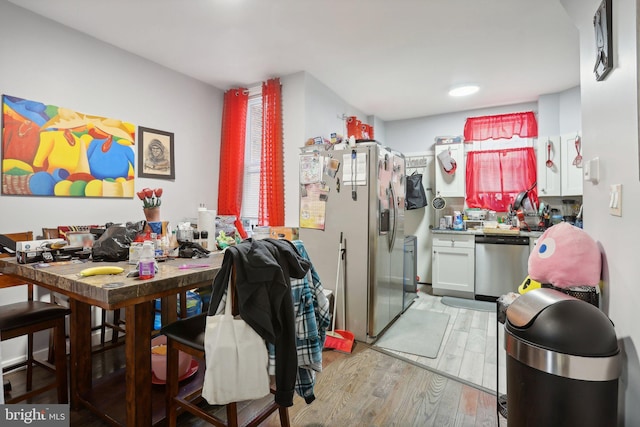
x=392 y=59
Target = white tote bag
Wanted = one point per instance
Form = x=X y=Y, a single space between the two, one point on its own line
x=236 y=360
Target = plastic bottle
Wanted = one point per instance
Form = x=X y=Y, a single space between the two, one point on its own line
x=147 y=263
x=458 y=224
x=204 y=239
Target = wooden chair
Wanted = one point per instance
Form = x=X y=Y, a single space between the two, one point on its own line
x=26 y=318
x=188 y=335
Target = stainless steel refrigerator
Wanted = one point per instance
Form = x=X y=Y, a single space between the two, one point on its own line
x=357 y=191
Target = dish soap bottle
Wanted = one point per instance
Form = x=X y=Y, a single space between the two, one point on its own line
x=147 y=263
x=458 y=223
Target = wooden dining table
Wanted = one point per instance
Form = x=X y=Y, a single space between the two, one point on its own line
x=127 y=396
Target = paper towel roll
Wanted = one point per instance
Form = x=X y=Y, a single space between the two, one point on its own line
x=207 y=222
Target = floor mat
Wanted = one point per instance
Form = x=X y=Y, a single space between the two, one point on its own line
x=418 y=332
x=469 y=303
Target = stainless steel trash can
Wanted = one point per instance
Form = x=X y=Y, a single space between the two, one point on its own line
x=563 y=362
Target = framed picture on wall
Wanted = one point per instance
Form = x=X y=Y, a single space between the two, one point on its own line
x=604 y=44
x=155 y=154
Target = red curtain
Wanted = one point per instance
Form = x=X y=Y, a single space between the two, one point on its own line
x=501 y=126
x=234 y=118
x=495 y=177
x=271 y=208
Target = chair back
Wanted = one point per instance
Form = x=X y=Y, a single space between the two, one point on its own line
x=9 y=240
x=50 y=233
x=8 y=281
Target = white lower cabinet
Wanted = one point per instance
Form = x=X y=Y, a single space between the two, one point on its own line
x=453 y=266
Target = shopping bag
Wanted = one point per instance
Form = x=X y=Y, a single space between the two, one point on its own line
x=415 y=197
x=236 y=360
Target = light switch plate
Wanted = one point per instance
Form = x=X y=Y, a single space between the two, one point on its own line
x=615 y=200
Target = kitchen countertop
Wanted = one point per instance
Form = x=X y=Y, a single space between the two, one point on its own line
x=533 y=234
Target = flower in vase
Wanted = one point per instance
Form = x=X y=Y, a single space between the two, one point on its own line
x=150 y=198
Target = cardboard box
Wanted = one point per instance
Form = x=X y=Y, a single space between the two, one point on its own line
x=287 y=233
x=35 y=245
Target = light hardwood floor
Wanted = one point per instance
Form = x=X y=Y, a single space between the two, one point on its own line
x=365 y=388
x=368 y=387
x=372 y=388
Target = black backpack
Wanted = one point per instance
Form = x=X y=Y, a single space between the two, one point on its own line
x=416 y=197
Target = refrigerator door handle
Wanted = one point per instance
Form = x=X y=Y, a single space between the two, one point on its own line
x=392 y=201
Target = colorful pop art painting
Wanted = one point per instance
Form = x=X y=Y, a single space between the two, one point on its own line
x=54 y=151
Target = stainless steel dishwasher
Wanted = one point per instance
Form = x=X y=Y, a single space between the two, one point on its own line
x=501 y=265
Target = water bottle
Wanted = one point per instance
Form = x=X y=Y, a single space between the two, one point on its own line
x=147 y=263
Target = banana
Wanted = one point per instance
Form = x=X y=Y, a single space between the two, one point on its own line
x=107 y=269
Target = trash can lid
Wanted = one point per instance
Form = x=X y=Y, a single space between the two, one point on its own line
x=555 y=321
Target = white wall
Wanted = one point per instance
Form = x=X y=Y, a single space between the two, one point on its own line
x=379 y=129
x=610 y=132
x=294 y=135
x=310 y=109
x=47 y=62
x=549 y=114
x=418 y=134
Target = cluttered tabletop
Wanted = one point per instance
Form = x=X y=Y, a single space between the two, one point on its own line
x=109 y=284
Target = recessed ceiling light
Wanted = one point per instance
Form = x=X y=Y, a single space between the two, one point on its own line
x=463 y=90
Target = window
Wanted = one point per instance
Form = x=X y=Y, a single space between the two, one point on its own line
x=258 y=197
x=495 y=177
x=253 y=147
x=498 y=172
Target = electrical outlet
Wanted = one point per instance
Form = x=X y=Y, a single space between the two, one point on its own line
x=615 y=200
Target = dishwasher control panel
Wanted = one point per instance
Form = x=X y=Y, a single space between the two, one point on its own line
x=503 y=240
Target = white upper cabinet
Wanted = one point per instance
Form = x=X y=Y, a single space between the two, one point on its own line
x=548 y=160
x=559 y=173
x=571 y=170
x=450 y=185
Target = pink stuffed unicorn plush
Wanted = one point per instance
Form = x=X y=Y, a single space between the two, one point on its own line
x=566 y=256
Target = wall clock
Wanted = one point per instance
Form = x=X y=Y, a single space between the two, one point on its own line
x=604 y=45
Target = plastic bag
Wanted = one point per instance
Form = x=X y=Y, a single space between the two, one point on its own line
x=194 y=306
x=192 y=250
x=114 y=243
x=416 y=197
